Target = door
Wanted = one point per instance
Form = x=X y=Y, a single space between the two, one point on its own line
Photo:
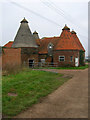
x=76 y=62
x=31 y=63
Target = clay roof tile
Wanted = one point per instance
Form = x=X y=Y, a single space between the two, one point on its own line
x=9 y=44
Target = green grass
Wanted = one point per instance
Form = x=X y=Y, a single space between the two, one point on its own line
x=30 y=86
x=73 y=68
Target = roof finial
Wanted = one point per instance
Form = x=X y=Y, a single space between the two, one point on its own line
x=24 y=21
x=66 y=28
x=35 y=32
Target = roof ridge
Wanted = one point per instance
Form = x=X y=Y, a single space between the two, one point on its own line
x=50 y=37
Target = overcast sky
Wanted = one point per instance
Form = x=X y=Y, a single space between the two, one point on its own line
x=47 y=17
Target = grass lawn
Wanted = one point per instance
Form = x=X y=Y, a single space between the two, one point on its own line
x=73 y=68
x=29 y=86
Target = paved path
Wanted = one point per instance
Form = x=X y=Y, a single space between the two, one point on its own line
x=68 y=101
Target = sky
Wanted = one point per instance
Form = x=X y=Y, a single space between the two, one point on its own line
x=47 y=17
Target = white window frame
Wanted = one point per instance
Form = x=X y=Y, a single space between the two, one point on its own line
x=60 y=60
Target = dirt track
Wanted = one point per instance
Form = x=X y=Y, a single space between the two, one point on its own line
x=68 y=101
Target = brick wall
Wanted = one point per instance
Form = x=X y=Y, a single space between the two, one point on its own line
x=11 y=56
x=29 y=54
x=25 y=58
x=67 y=55
x=42 y=56
x=18 y=56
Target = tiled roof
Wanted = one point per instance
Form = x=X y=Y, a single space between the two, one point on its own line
x=77 y=40
x=38 y=41
x=44 y=44
x=9 y=44
x=67 y=41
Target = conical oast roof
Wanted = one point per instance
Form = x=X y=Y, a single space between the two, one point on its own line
x=35 y=34
x=67 y=41
x=24 y=37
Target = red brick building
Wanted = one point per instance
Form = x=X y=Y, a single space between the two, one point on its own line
x=28 y=49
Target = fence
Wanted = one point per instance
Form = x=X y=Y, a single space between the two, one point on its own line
x=40 y=64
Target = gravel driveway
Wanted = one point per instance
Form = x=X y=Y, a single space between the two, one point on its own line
x=68 y=101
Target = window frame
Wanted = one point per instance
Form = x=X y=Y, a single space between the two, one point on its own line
x=70 y=59
x=60 y=60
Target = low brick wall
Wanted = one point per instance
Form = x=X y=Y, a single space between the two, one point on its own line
x=11 y=56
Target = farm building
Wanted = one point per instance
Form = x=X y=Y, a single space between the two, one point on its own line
x=28 y=49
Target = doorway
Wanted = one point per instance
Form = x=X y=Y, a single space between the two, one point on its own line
x=31 y=63
x=76 y=62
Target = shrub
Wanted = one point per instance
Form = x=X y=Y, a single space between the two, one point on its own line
x=81 y=60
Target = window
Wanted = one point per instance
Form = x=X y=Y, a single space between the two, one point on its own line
x=71 y=58
x=61 y=58
x=43 y=60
